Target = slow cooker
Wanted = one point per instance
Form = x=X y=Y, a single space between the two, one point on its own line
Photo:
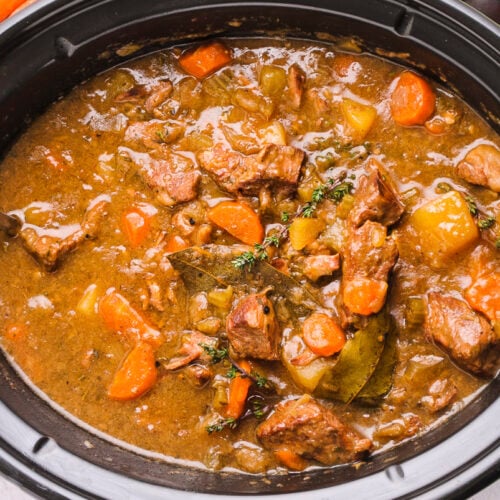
x=55 y=44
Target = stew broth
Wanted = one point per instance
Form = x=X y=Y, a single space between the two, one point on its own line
x=140 y=157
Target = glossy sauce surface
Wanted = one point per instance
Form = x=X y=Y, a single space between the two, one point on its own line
x=85 y=150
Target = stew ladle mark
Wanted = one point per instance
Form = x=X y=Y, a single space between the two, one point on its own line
x=9 y=224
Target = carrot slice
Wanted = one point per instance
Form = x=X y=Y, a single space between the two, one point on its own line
x=413 y=100
x=364 y=295
x=322 y=335
x=205 y=59
x=136 y=375
x=484 y=296
x=290 y=459
x=121 y=317
x=238 y=392
x=239 y=220
x=136 y=225
x=175 y=243
x=7 y=7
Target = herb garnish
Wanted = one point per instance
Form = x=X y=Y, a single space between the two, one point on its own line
x=260 y=380
x=232 y=372
x=486 y=222
x=471 y=203
x=333 y=189
x=217 y=355
x=229 y=423
x=258 y=408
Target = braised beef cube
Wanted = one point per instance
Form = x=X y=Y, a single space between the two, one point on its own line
x=368 y=253
x=368 y=258
x=441 y=394
x=376 y=199
x=316 y=266
x=49 y=250
x=481 y=166
x=193 y=347
x=159 y=94
x=464 y=334
x=275 y=167
x=296 y=82
x=252 y=328
x=153 y=133
x=311 y=430
x=173 y=177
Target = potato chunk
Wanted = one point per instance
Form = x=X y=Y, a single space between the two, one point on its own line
x=444 y=227
x=304 y=231
x=359 y=116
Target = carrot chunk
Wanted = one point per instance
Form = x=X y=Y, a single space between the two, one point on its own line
x=121 y=317
x=175 y=243
x=7 y=7
x=290 y=459
x=413 y=100
x=238 y=392
x=239 y=220
x=205 y=59
x=484 y=296
x=136 y=225
x=364 y=295
x=136 y=375
x=322 y=335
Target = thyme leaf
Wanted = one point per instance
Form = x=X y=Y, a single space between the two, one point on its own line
x=258 y=408
x=217 y=355
x=229 y=423
x=471 y=204
x=260 y=380
x=232 y=372
x=486 y=222
x=334 y=188
x=245 y=260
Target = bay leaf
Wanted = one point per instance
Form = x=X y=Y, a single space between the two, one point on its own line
x=380 y=382
x=356 y=362
x=204 y=268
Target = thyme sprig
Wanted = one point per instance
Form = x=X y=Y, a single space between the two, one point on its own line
x=334 y=189
x=483 y=219
x=226 y=423
x=217 y=355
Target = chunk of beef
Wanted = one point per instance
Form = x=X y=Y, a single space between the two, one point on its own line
x=311 y=430
x=199 y=374
x=191 y=349
x=49 y=250
x=440 y=395
x=369 y=253
x=153 y=133
x=316 y=266
x=296 y=81
x=368 y=258
x=135 y=94
x=159 y=94
x=152 y=97
x=375 y=199
x=252 y=328
x=481 y=166
x=275 y=167
x=465 y=335
x=173 y=177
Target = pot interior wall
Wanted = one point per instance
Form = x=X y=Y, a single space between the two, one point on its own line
x=44 y=59
x=67 y=42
